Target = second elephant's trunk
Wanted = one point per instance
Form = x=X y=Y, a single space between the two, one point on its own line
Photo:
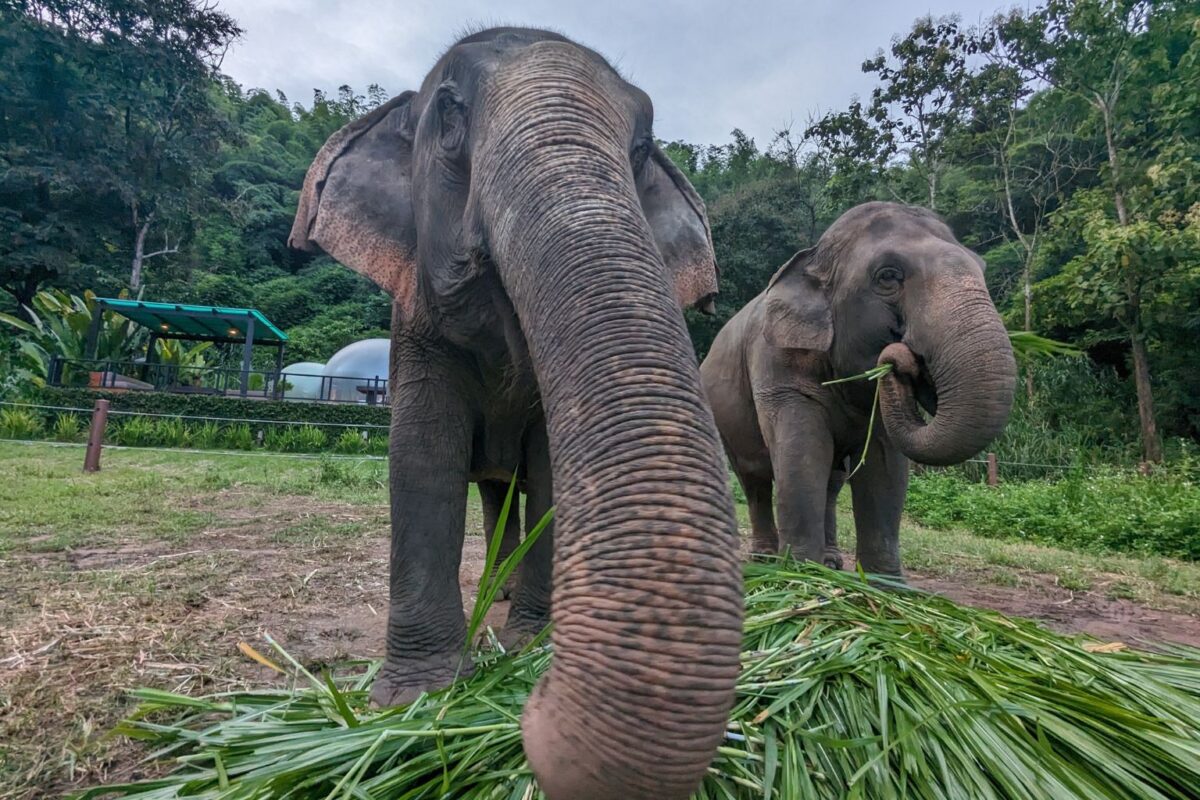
x=969 y=360
x=647 y=590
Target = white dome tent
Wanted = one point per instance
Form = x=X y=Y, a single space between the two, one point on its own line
x=358 y=372
x=302 y=380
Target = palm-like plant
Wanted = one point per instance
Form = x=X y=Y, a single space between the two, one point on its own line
x=58 y=326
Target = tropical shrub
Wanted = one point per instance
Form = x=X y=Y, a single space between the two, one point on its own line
x=206 y=436
x=237 y=437
x=350 y=441
x=67 y=428
x=59 y=324
x=1097 y=509
x=16 y=423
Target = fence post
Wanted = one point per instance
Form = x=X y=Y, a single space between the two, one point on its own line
x=91 y=459
x=993 y=470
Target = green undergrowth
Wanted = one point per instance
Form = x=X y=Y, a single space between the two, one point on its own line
x=846 y=690
x=1097 y=510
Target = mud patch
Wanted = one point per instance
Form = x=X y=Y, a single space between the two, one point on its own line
x=1069 y=611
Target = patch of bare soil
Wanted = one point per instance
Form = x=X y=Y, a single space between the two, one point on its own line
x=1069 y=611
x=79 y=628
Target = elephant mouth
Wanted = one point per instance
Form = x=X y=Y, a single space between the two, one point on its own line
x=924 y=389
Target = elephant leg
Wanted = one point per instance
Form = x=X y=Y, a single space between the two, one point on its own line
x=492 y=494
x=878 y=490
x=430 y=442
x=802 y=455
x=764 y=535
x=530 y=609
x=833 y=554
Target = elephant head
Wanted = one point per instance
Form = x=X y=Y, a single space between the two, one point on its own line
x=889 y=283
x=523 y=181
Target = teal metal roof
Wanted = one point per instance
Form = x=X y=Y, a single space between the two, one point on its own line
x=209 y=322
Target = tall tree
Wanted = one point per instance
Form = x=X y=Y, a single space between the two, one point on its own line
x=1026 y=146
x=111 y=102
x=1115 y=55
x=914 y=111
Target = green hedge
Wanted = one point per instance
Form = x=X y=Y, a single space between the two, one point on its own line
x=193 y=405
x=340 y=428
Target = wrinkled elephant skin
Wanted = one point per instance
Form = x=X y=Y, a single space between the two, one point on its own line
x=886 y=284
x=539 y=247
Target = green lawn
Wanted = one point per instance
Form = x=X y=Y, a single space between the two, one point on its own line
x=150 y=572
x=47 y=503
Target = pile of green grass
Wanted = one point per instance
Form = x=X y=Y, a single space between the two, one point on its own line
x=846 y=691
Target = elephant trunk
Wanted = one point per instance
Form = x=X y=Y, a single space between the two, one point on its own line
x=647 y=599
x=968 y=359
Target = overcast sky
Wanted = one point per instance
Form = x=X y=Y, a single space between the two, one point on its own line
x=709 y=65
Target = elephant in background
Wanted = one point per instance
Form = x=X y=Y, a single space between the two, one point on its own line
x=538 y=246
x=886 y=284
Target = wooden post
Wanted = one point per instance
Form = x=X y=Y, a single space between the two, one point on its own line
x=91 y=459
x=993 y=470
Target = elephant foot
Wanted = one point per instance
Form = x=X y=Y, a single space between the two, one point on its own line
x=401 y=682
x=887 y=580
x=764 y=547
x=832 y=558
x=509 y=589
x=519 y=629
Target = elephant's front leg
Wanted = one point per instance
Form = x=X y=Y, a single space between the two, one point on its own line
x=430 y=449
x=878 y=490
x=492 y=494
x=801 y=456
x=530 y=609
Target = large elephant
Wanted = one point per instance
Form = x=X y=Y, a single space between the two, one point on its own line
x=886 y=284
x=538 y=246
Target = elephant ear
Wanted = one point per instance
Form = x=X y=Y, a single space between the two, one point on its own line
x=679 y=224
x=799 y=316
x=356 y=203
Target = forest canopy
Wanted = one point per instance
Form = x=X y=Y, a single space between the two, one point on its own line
x=1062 y=143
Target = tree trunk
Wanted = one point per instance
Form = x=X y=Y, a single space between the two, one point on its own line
x=1027 y=288
x=1114 y=163
x=139 y=248
x=1151 y=444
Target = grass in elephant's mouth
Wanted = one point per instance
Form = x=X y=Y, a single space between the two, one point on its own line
x=846 y=690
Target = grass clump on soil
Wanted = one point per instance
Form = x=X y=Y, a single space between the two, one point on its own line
x=1097 y=510
x=846 y=691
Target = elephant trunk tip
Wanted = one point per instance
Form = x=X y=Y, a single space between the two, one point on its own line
x=902 y=360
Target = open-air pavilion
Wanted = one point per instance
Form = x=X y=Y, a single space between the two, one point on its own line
x=349 y=380
x=246 y=327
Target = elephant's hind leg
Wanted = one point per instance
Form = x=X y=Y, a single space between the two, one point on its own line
x=833 y=554
x=492 y=494
x=764 y=536
x=430 y=444
x=530 y=609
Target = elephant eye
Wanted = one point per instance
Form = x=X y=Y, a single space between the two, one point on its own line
x=641 y=150
x=889 y=279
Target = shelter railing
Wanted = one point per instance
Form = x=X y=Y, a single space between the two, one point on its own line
x=258 y=384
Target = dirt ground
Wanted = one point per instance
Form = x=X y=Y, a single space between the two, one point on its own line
x=79 y=627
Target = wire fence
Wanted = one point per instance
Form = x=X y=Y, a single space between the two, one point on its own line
x=194 y=451
x=1012 y=468
x=230 y=420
